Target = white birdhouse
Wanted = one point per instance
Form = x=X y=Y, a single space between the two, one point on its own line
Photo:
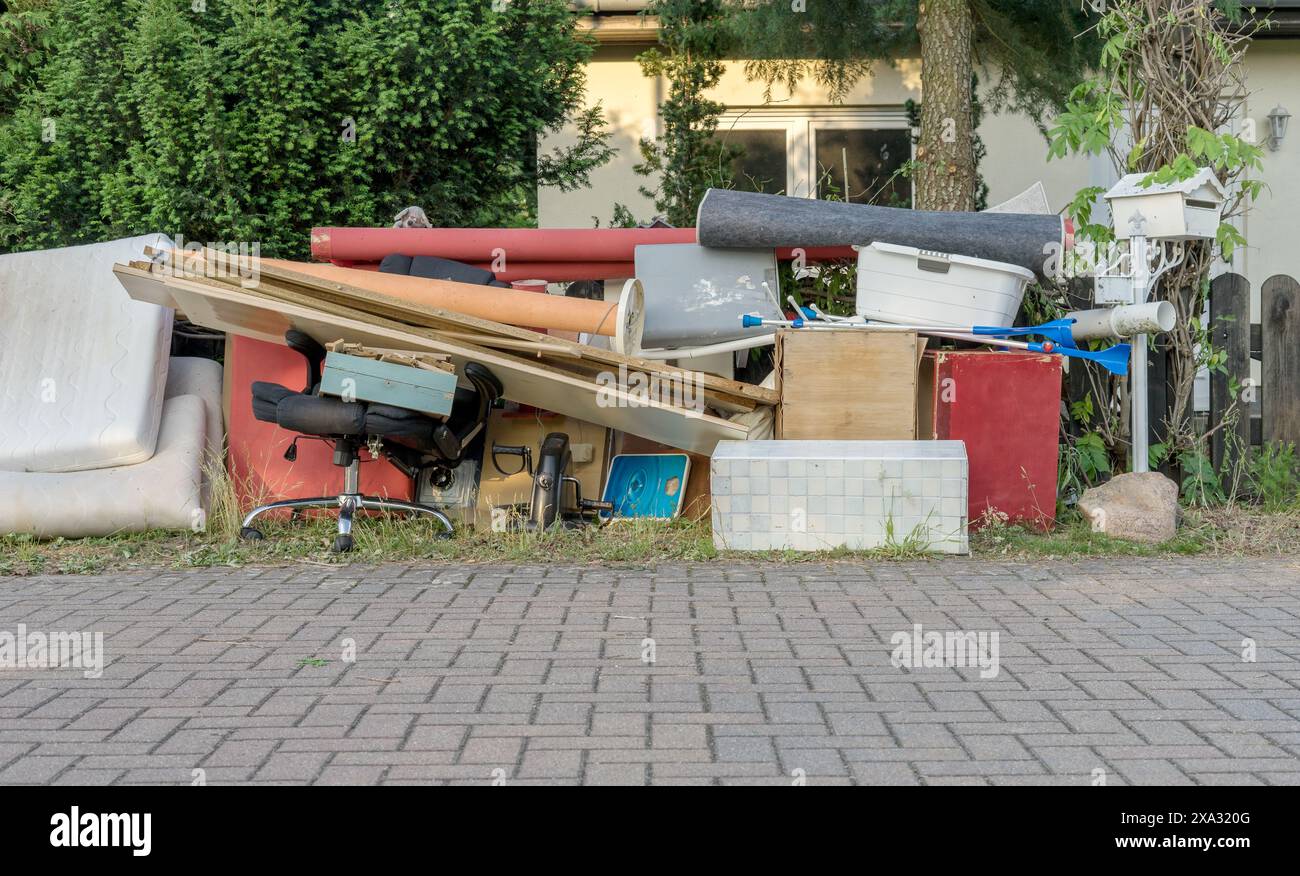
x=1182 y=210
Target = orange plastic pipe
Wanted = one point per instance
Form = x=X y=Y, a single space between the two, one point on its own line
x=487 y=302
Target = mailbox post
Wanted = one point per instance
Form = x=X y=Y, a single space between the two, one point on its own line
x=1160 y=214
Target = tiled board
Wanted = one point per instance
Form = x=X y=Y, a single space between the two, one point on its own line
x=819 y=495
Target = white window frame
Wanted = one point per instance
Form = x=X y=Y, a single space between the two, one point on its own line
x=801 y=125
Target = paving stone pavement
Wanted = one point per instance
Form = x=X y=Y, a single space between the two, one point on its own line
x=1120 y=670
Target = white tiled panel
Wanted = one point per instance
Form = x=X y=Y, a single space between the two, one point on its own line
x=820 y=495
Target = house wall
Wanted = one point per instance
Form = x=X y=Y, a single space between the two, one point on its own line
x=1017 y=152
x=1271 y=227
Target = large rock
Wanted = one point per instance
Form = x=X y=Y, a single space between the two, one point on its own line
x=1139 y=506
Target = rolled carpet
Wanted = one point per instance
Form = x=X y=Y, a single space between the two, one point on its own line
x=750 y=220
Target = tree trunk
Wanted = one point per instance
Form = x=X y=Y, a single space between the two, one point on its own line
x=945 y=178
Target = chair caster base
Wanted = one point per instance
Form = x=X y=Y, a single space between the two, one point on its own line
x=343 y=544
x=248 y=533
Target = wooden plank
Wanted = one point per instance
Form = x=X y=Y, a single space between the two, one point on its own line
x=1280 y=308
x=437 y=317
x=570 y=358
x=525 y=381
x=847 y=385
x=578 y=364
x=1078 y=296
x=1229 y=332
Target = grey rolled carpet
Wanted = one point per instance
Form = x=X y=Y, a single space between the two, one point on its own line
x=751 y=220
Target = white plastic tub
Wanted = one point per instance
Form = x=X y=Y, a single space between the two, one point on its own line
x=910 y=286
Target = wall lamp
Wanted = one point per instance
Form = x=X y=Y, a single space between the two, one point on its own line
x=1277 y=120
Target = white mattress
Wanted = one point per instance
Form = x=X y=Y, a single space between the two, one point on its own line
x=82 y=366
x=167 y=491
x=164 y=492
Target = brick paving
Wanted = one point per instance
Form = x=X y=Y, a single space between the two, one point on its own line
x=1123 y=671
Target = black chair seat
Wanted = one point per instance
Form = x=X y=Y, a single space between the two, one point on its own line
x=321 y=415
x=329 y=416
x=434 y=268
x=412 y=441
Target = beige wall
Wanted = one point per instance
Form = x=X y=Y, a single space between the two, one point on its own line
x=1017 y=153
x=1271 y=228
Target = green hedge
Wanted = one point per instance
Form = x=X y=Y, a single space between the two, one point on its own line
x=253 y=120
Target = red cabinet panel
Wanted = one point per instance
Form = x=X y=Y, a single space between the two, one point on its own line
x=1006 y=407
x=256 y=450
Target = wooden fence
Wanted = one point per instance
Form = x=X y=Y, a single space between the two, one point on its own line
x=1269 y=408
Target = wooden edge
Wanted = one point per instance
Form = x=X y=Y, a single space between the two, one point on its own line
x=463 y=349
x=310 y=294
x=719 y=384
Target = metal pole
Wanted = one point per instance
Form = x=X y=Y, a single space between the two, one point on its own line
x=1139 y=433
x=1138 y=427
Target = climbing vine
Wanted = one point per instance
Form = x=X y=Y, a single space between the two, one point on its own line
x=1167 y=98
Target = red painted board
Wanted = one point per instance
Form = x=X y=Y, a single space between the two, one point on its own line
x=486 y=244
x=559 y=272
x=551 y=272
x=1006 y=407
x=577 y=247
x=256 y=449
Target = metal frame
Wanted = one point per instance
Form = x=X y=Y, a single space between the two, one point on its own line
x=349 y=502
x=1146 y=265
x=801 y=124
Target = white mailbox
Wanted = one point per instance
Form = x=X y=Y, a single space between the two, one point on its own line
x=1182 y=210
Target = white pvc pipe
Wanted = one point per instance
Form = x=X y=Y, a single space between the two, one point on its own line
x=1124 y=321
x=710 y=349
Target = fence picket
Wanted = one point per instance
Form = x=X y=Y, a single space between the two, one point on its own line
x=1229 y=332
x=1280 y=309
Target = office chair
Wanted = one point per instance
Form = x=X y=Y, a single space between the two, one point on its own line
x=411 y=440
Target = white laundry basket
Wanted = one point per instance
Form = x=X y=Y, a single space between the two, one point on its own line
x=909 y=286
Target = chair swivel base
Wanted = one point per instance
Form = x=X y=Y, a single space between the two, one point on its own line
x=348 y=504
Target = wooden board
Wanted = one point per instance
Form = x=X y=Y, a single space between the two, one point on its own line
x=525 y=381
x=847 y=385
x=320 y=290
x=1280 y=309
x=1229 y=332
x=504 y=427
x=569 y=359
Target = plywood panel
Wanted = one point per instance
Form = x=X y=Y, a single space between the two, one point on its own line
x=847 y=385
x=525 y=381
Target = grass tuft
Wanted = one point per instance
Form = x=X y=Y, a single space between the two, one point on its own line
x=1230 y=531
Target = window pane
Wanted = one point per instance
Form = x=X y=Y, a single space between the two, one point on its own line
x=869 y=160
x=761 y=166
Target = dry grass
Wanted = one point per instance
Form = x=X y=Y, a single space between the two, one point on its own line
x=1234 y=531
